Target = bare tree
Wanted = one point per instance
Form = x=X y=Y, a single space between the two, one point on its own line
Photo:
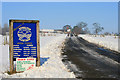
x=107 y=33
x=86 y=30
x=0 y=29
x=82 y=26
x=97 y=28
x=5 y=29
x=76 y=30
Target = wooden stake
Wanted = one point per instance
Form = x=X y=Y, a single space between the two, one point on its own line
x=6 y=40
x=11 y=46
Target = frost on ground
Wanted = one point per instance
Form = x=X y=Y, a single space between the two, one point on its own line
x=108 y=41
x=51 y=62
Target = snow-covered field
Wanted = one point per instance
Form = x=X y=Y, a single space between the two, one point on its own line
x=51 y=63
x=50 y=53
x=0 y=54
x=108 y=41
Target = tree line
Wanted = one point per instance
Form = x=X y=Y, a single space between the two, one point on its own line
x=4 y=29
x=81 y=28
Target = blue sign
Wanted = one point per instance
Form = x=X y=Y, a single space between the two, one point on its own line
x=24 y=40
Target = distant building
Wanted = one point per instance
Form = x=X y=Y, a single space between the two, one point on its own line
x=59 y=31
x=51 y=31
x=46 y=30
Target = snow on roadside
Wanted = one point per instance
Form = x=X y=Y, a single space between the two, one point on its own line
x=53 y=67
x=4 y=56
x=0 y=57
x=108 y=41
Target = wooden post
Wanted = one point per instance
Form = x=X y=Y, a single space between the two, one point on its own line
x=11 y=46
x=6 y=40
x=38 y=45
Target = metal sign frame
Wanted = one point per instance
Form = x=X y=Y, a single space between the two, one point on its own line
x=11 y=41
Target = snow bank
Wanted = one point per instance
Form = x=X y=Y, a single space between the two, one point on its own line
x=1 y=37
x=108 y=41
x=53 y=66
x=0 y=54
x=4 y=56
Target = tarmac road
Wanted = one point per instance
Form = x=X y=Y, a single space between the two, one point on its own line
x=91 y=61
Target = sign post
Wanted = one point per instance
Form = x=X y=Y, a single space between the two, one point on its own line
x=24 y=41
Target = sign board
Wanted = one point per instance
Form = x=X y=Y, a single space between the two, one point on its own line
x=23 y=64
x=24 y=40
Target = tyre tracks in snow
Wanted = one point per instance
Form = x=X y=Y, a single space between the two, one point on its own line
x=91 y=61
